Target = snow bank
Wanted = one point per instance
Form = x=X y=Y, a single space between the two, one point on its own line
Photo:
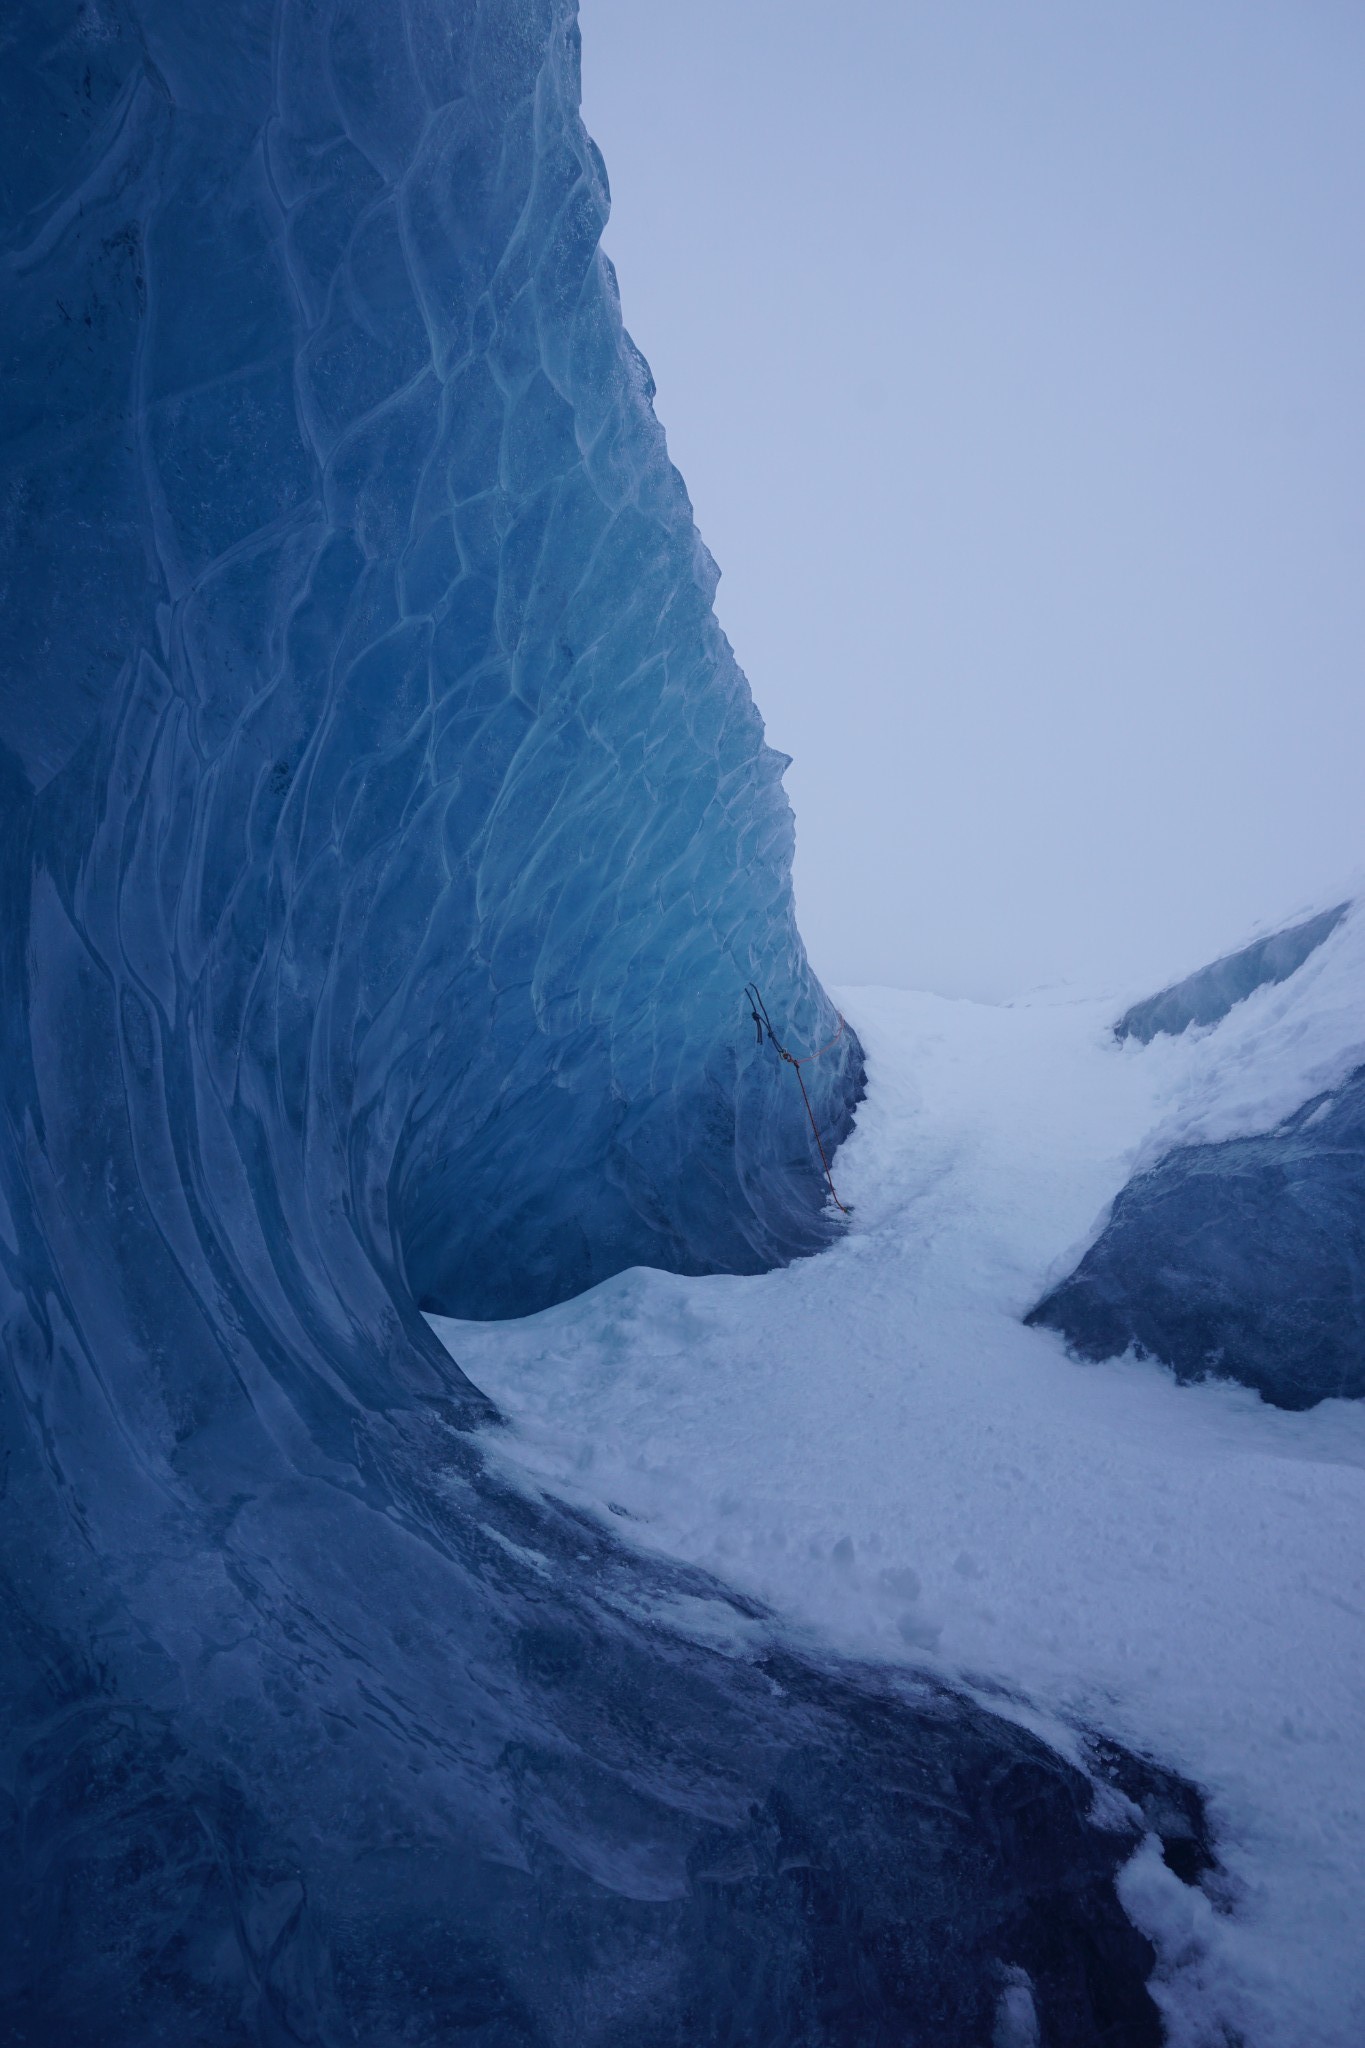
x=873 y=1445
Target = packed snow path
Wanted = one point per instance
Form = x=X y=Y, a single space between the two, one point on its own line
x=871 y=1443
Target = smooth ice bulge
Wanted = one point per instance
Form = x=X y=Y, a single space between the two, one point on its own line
x=386 y=835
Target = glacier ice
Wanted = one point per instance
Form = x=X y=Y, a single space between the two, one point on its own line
x=344 y=546
x=386 y=834
x=1206 y=996
x=1239 y=1260
x=1239 y=1253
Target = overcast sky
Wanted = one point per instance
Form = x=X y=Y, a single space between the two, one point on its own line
x=1012 y=351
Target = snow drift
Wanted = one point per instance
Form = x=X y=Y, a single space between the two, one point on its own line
x=875 y=1446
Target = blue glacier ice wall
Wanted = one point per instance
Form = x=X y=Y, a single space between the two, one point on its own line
x=346 y=556
x=1243 y=1260
x=1207 y=996
x=385 y=834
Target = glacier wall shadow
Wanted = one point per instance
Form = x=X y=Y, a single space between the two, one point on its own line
x=386 y=833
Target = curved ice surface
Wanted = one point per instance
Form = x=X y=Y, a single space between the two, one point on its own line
x=1207 y=996
x=385 y=835
x=345 y=554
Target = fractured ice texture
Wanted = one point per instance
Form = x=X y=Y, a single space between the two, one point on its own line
x=386 y=834
x=1207 y=996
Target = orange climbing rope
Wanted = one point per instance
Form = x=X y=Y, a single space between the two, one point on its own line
x=758 y=1010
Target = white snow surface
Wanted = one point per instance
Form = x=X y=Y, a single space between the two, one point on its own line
x=873 y=1445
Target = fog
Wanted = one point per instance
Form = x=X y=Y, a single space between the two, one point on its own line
x=1012 y=355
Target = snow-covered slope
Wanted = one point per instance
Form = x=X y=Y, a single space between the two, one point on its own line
x=1207 y=996
x=873 y=1444
x=1282 y=1044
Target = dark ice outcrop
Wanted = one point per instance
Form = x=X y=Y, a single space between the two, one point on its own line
x=1244 y=1260
x=1207 y=996
x=386 y=834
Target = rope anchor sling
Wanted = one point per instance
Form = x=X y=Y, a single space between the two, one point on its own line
x=758 y=1010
